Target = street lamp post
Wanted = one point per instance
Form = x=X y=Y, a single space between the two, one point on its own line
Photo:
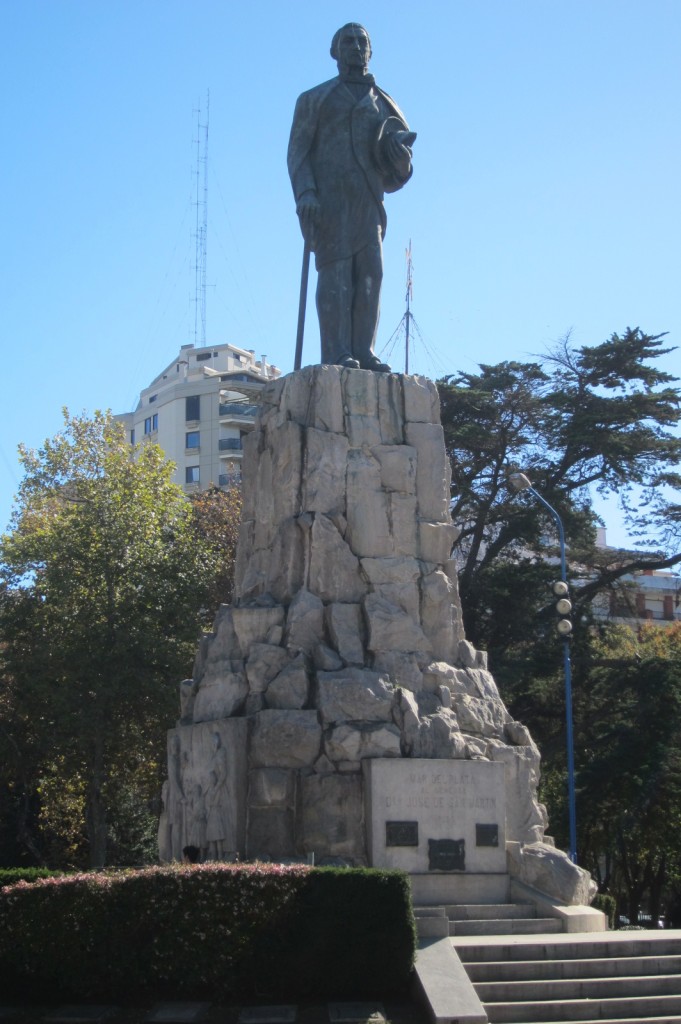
x=519 y=482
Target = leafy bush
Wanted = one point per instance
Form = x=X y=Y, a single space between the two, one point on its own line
x=213 y=931
x=608 y=905
x=10 y=876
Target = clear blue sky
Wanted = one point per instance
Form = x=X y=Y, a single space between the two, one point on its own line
x=545 y=196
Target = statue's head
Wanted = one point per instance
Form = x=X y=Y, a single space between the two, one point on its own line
x=351 y=46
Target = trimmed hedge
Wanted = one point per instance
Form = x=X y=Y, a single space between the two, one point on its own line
x=9 y=876
x=216 y=931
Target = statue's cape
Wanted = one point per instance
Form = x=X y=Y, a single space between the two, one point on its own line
x=306 y=116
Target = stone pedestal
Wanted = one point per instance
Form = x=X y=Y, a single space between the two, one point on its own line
x=436 y=815
x=343 y=656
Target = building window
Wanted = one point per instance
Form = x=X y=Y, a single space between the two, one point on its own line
x=153 y=399
x=192 y=439
x=202 y=356
x=191 y=475
x=132 y=436
x=147 y=425
x=193 y=407
x=154 y=421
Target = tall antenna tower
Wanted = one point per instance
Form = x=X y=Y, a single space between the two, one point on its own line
x=201 y=225
x=408 y=314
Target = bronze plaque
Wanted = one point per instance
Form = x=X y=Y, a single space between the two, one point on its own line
x=401 y=833
x=446 y=854
x=487 y=835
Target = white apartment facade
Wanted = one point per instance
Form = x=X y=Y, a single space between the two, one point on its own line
x=198 y=410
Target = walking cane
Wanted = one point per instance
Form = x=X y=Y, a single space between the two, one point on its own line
x=301 y=307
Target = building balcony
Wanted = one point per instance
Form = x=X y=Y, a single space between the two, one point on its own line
x=229 y=479
x=230 y=444
x=237 y=410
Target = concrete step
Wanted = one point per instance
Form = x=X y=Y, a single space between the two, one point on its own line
x=607 y=967
x=629 y=1020
x=578 y=946
x=432 y=888
x=533 y=1012
x=551 y=989
x=583 y=978
x=507 y=926
x=487 y=911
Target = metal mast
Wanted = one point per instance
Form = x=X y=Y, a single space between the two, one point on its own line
x=201 y=226
x=407 y=315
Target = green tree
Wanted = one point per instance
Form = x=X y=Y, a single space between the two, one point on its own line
x=598 y=418
x=629 y=764
x=216 y=515
x=102 y=581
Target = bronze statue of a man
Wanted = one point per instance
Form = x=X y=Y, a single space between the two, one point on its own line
x=349 y=145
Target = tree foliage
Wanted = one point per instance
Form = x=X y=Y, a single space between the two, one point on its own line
x=629 y=763
x=601 y=419
x=103 y=576
x=598 y=418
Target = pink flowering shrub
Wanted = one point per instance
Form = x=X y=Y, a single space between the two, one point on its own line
x=211 y=930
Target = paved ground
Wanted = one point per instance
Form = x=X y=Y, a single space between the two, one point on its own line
x=396 y=1013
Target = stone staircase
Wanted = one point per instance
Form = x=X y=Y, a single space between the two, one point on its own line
x=484 y=919
x=612 y=976
x=477 y=905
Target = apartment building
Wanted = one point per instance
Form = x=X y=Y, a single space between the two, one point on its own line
x=198 y=410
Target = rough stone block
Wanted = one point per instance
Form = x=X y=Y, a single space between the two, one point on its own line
x=435 y=541
x=552 y=872
x=354 y=695
x=334 y=570
x=249 y=474
x=284 y=564
x=401 y=570
x=221 y=651
x=328 y=399
x=333 y=817
x=264 y=511
x=404 y=524
x=391 y=408
x=326 y=659
x=391 y=629
x=285 y=739
x=480 y=717
x=271 y=833
x=401 y=667
x=398 y=467
x=265 y=661
x=271 y=787
x=344 y=623
x=324 y=477
x=220 y=698
x=290 y=689
x=525 y=816
x=253 y=579
x=287 y=466
x=481 y=683
x=305 y=622
x=297 y=399
x=368 y=531
x=354 y=743
x=360 y=393
x=363 y=431
x=432 y=469
x=421 y=400
x=437 y=614
x=438 y=735
x=253 y=624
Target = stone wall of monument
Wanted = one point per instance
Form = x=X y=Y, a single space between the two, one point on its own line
x=344 y=642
